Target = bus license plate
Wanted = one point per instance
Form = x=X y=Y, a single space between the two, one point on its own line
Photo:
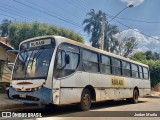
x=22 y=95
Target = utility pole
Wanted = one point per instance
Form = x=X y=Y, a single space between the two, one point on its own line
x=102 y=33
x=103 y=26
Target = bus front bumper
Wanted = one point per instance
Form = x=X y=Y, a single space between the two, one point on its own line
x=42 y=96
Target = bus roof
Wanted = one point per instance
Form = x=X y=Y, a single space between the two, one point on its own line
x=60 y=39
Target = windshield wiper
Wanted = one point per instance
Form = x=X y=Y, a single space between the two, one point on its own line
x=24 y=61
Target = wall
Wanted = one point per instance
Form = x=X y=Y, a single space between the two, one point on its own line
x=3 y=55
x=5 y=73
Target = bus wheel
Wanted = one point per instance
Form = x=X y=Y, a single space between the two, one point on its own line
x=135 y=96
x=134 y=99
x=85 y=103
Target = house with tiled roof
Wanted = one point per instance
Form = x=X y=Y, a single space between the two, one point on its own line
x=5 y=72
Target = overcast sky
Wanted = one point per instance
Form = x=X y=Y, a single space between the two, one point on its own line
x=143 y=18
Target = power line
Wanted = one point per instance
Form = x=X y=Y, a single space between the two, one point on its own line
x=12 y=10
x=53 y=3
x=118 y=14
x=44 y=12
x=17 y=10
x=136 y=30
x=50 y=11
x=20 y=10
x=11 y=13
x=135 y=20
x=84 y=4
x=130 y=20
x=76 y=6
x=79 y=4
x=141 y=21
x=10 y=6
x=7 y=16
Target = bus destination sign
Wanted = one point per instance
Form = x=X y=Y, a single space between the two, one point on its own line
x=40 y=43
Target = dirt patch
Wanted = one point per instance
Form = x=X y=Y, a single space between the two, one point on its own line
x=156 y=88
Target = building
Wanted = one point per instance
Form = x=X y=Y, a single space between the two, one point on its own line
x=5 y=72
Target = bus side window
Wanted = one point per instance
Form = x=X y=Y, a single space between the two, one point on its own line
x=105 y=64
x=90 y=61
x=126 y=68
x=60 y=59
x=116 y=66
x=145 y=73
x=141 y=72
x=62 y=68
x=135 y=71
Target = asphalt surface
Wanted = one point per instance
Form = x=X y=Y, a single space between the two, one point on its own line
x=111 y=109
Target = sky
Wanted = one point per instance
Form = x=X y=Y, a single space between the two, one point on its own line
x=141 y=21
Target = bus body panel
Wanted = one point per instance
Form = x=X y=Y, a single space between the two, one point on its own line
x=109 y=91
x=70 y=95
x=56 y=91
x=77 y=79
x=120 y=93
x=106 y=94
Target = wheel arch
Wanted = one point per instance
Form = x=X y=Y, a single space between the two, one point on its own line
x=136 y=88
x=92 y=91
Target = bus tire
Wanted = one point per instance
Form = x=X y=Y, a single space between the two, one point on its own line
x=134 y=99
x=85 y=103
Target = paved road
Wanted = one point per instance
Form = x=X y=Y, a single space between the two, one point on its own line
x=98 y=109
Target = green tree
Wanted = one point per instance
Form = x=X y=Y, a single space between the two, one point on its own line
x=4 y=27
x=149 y=55
x=156 y=56
x=20 y=31
x=139 y=56
x=126 y=46
x=154 y=66
x=110 y=42
x=93 y=26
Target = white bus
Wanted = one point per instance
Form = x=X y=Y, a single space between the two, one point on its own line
x=57 y=70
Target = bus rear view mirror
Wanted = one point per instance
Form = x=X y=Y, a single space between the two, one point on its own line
x=67 y=59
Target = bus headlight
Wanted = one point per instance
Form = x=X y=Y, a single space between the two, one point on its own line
x=36 y=88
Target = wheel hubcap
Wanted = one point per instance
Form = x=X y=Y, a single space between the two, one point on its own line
x=136 y=96
x=86 y=100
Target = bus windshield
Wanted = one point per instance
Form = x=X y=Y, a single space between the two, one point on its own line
x=33 y=64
